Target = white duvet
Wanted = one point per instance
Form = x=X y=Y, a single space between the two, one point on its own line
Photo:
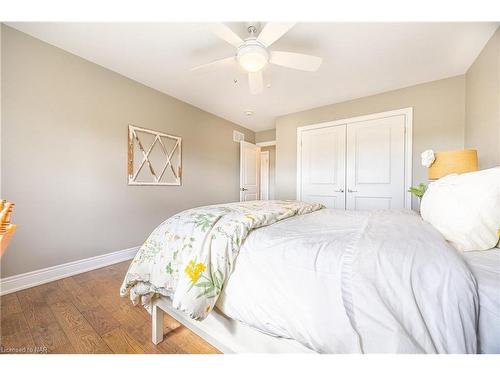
x=355 y=282
x=485 y=265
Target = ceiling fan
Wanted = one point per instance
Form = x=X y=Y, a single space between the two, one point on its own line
x=253 y=54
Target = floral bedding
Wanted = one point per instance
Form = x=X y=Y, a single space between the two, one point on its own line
x=190 y=256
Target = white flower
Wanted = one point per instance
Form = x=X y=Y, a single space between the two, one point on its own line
x=428 y=158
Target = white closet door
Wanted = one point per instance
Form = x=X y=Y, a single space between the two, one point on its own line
x=323 y=166
x=376 y=164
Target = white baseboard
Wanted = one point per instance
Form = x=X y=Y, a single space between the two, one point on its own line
x=27 y=280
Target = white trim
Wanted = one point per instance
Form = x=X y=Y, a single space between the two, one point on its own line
x=227 y=335
x=265 y=172
x=407 y=112
x=27 y=280
x=266 y=144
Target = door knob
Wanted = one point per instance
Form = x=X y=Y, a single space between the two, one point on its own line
x=243 y=189
x=351 y=191
x=339 y=191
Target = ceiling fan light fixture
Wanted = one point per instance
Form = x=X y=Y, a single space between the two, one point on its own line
x=252 y=56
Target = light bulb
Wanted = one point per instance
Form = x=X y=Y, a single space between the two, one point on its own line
x=252 y=57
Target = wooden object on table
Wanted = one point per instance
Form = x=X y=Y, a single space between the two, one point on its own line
x=7 y=229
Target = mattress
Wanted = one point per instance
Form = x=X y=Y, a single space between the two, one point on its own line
x=485 y=266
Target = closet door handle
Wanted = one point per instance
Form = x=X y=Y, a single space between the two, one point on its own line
x=351 y=191
x=339 y=191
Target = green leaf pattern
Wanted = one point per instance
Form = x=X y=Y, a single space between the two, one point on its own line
x=190 y=256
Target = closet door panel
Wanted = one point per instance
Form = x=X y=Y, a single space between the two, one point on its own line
x=375 y=164
x=323 y=166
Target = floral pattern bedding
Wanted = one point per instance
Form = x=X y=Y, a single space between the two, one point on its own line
x=190 y=256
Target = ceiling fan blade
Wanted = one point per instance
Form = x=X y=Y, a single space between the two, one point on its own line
x=296 y=60
x=214 y=64
x=256 y=82
x=272 y=31
x=226 y=34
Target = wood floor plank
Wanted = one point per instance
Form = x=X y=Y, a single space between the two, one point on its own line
x=121 y=342
x=44 y=328
x=29 y=297
x=80 y=296
x=122 y=268
x=127 y=314
x=52 y=293
x=79 y=332
x=134 y=322
x=9 y=304
x=85 y=314
x=14 y=324
x=101 y=320
x=111 y=301
x=188 y=341
x=15 y=336
x=81 y=278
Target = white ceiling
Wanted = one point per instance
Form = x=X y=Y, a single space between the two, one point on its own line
x=359 y=59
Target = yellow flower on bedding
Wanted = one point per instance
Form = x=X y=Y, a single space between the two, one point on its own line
x=194 y=270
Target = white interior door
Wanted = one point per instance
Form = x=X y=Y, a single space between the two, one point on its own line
x=249 y=171
x=323 y=166
x=264 y=175
x=376 y=164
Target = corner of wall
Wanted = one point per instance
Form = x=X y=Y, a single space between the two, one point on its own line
x=265 y=135
x=482 y=103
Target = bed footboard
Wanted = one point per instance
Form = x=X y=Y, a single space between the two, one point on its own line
x=225 y=334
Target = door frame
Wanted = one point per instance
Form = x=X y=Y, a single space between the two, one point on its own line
x=265 y=172
x=407 y=112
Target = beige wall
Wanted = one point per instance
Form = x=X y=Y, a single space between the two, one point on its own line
x=64 y=156
x=438 y=124
x=265 y=135
x=482 y=113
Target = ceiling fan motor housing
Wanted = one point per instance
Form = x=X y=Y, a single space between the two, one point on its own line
x=252 y=55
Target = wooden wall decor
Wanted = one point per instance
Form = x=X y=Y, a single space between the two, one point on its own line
x=154 y=158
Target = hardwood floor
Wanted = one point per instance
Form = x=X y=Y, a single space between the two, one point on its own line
x=85 y=314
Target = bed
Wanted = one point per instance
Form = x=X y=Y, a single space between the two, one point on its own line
x=293 y=277
x=485 y=266
x=233 y=336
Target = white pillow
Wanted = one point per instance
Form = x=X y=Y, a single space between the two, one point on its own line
x=465 y=208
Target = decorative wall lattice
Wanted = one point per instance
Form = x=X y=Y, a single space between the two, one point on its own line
x=154 y=158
